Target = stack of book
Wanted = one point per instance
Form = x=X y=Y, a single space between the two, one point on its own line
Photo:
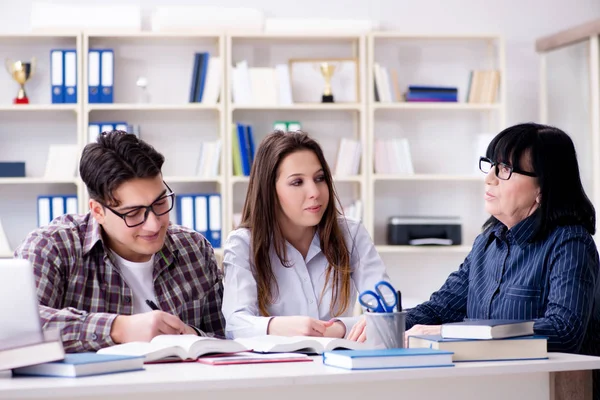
x=431 y=93
x=486 y=340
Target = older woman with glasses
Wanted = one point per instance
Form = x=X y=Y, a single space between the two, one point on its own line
x=535 y=259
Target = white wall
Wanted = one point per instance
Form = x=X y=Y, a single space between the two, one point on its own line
x=519 y=21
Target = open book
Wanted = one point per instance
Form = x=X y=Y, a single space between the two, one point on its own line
x=301 y=344
x=175 y=347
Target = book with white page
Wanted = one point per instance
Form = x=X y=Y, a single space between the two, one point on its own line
x=175 y=347
x=301 y=344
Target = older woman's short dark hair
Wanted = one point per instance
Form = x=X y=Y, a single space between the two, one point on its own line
x=554 y=160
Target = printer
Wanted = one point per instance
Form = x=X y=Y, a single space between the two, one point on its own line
x=405 y=230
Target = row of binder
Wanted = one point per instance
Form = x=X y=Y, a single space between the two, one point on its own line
x=96 y=128
x=63 y=75
x=202 y=213
x=101 y=66
x=50 y=207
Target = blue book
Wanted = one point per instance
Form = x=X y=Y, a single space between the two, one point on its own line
x=518 y=348
x=487 y=329
x=84 y=364
x=388 y=358
x=416 y=88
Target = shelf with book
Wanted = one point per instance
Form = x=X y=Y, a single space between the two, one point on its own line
x=25 y=108
x=157 y=77
x=440 y=142
x=41 y=124
x=283 y=58
x=153 y=107
x=436 y=106
x=35 y=181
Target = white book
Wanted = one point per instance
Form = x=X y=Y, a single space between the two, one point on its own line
x=284 y=86
x=4 y=245
x=175 y=347
x=214 y=75
x=302 y=344
x=264 y=86
x=408 y=165
x=62 y=161
x=242 y=89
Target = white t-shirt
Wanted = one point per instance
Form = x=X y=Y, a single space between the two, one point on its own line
x=138 y=276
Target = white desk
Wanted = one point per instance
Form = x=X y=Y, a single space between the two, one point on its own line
x=301 y=381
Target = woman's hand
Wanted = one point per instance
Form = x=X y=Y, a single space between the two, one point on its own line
x=358 y=333
x=298 y=326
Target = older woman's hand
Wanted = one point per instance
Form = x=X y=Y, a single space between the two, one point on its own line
x=421 y=330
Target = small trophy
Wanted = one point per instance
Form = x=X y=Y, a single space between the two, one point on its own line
x=20 y=72
x=327 y=70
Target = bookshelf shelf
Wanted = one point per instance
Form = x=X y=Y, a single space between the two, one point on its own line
x=6 y=255
x=428 y=177
x=436 y=106
x=152 y=107
x=301 y=107
x=35 y=181
x=191 y=179
x=39 y=107
x=423 y=249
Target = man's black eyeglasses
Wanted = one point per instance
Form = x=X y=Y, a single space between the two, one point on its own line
x=139 y=215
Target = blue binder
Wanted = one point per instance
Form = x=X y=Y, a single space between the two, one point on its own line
x=70 y=75
x=94 y=76
x=57 y=76
x=107 y=65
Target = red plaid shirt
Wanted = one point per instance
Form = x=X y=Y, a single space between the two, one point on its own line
x=81 y=290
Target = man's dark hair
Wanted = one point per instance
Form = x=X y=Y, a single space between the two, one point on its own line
x=115 y=158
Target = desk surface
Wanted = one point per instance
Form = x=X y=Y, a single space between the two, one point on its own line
x=167 y=378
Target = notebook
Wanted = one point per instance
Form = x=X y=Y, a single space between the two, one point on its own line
x=518 y=348
x=487 y=329
x=84 y=364
x=175 y=347
x=302 y=344
x=388 y=358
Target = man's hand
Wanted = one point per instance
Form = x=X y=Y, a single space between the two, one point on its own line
x=298 y=326
x=421 y=330
x=144 y=327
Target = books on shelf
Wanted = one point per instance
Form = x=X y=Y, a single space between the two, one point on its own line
x=264 y=86
x=486 y=329
x=392 y=156
x=431 y=94
x=517 y=348
x=50 y=207
x=62 y=161
x=206 y=79
x=388 y=358
x=243 y=149
x=483 y=86
x=210 y=157
x=253 y=358
x=84 y=364
x=175 y=347
x=4 y=245
x=302 y=344
x=354 y=210
x=348 y=158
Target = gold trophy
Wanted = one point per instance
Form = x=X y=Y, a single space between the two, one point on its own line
x=20 y=72
x=327 y=70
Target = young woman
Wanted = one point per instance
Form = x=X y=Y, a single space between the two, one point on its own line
x=296 y=263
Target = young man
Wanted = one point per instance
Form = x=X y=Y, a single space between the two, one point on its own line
x=122 y=272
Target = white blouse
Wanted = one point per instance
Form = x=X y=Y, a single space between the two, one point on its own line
x=300 y=286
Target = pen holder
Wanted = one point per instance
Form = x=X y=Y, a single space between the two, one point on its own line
x=386 y=330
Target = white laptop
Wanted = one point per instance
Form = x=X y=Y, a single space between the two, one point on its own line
x=19 y=313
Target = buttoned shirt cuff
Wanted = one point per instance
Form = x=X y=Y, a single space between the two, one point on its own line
x=95 y=331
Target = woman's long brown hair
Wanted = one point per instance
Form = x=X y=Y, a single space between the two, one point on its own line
x=259 y=215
